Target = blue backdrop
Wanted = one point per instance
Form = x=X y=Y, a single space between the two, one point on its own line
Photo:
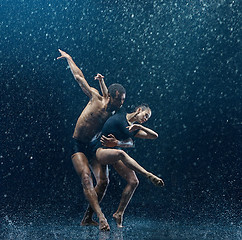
x=183 y=58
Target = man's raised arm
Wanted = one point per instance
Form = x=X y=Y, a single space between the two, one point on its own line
x=102 y=84
x=77 y=73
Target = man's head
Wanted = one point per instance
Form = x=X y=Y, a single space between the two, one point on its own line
x=117 y=95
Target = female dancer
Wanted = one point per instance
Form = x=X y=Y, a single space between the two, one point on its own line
x=123 y=126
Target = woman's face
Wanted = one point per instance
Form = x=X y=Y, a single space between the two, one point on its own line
x=143 y=115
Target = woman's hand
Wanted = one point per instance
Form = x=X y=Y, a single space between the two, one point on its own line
x=134 y=127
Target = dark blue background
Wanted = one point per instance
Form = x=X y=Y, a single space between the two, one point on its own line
x=183 y=58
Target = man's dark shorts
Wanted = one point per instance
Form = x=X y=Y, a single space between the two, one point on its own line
x=86 y=148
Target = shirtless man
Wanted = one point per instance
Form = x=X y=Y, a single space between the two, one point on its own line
x=89 y=123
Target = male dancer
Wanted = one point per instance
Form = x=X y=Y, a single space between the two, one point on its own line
x=89 y=123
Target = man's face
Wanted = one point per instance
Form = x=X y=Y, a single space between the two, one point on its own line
x=117 y=101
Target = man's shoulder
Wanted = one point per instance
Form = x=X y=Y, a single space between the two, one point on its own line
x=96 y=95
x=98 y=101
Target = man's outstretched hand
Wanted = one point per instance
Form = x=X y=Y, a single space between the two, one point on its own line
x=63 y=55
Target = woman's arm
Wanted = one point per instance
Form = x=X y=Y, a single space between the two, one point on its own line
x=144 y=132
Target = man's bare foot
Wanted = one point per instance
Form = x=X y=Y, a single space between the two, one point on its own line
x=88 y=222
x=119 y=219
x=103 y=224
x=156 y=180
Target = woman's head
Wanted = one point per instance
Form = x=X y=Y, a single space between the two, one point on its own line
x=143 y=113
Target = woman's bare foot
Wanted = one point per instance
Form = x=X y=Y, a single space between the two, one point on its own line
x=119 y=219
x=103 y=224
x=156 y=180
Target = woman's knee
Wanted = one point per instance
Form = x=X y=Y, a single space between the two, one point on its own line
x=121 y=154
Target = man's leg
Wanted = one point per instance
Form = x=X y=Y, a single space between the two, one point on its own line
x=111 y=156
x=132 y=183
x=101 y=175
x=81 y=166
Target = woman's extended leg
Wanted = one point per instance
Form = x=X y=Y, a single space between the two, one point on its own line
x=111 y=156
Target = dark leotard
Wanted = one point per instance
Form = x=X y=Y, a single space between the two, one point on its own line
x=116 y=125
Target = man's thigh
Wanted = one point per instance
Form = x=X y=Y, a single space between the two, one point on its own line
x=80 y=163
x=100 y=171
